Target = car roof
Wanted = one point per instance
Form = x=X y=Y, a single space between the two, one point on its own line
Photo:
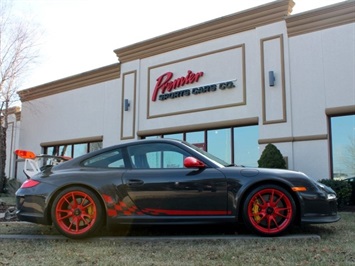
x=79 y=159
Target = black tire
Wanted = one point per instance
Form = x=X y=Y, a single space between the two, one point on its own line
x=269 y=210
x=77 y=212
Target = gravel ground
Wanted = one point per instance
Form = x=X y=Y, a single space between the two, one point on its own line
x=336 y=246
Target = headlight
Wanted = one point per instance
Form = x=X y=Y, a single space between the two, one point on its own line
x=331 y=196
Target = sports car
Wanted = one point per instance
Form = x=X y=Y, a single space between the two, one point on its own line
x=165 y=181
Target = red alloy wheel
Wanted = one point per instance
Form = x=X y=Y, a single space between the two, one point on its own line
x=269 y=210
x=76 y=212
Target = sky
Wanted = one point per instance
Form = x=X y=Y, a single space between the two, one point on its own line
x=80 y=35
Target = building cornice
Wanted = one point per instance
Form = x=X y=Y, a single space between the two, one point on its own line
x=321 y=18
x=238 y=22
x=88 y=78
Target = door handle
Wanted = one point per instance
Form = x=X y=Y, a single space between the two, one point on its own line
x=135 y=182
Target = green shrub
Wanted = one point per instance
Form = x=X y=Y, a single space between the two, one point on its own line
x=342 y=188
x=271 y=158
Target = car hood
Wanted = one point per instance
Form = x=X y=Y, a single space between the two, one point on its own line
x=265 y=172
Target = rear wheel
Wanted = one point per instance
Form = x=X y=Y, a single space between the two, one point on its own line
x=77 y=212
x=269 y=210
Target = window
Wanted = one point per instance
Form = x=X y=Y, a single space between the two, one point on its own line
x=80 y=149
x=157 y=155
x=73 y=149
x=219 y=143
x=246 y=147
x=110 y=159
x=197 y=138
x=179 y=136
x=343 y=146
x=237 y=145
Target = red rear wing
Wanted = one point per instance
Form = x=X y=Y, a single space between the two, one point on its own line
x=25 y=154
x=35 y=163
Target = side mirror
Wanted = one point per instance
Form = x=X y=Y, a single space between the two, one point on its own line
x=191 y=162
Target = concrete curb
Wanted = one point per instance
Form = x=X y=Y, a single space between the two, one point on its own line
x=163 y=238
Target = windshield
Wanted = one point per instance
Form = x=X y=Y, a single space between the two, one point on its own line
x=208 y=155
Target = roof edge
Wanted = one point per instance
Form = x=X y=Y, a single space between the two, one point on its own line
x=213 y=29
x=321 y=18
x=91 y=77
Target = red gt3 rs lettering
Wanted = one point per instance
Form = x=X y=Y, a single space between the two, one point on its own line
x=164 y=82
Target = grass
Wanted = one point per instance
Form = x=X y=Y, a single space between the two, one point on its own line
x=336 y=247
x=8 y=200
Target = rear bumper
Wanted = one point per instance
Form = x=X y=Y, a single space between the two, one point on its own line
x=31 y=217
x=31 y=209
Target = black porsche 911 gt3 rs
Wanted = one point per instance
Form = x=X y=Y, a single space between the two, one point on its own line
x=165 y=181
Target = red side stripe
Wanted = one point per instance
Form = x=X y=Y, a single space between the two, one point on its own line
x=185 y=212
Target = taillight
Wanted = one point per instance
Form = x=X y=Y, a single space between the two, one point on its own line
x=30 y=183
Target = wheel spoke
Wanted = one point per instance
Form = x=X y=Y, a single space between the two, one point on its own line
x=272 y=220
x=279 y=199
x=67 y=200
x=271 y=197
x=73 y=203
x=71 y=224
x=262 y=216
x=87 y=205
x=260 y=196
x=76 y=224
x=280 y=211
x=67 y=214
x=83 y=200
x=86 y=219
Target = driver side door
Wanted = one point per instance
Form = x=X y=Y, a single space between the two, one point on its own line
x=159 y=184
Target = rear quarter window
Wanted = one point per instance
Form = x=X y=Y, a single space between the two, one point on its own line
x=109 y=159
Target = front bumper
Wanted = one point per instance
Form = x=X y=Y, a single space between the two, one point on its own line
x=320 y=219
x=319 y=207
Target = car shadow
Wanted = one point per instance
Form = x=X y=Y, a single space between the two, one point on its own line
x=172 y=230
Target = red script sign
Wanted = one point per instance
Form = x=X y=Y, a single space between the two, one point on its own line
x=166 y=84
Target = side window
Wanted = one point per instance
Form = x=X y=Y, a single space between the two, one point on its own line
x=110 y=159
x=157 y=155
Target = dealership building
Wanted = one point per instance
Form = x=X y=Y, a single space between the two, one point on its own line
x=229 y=85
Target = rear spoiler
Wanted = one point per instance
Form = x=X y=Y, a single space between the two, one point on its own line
x=32 y=165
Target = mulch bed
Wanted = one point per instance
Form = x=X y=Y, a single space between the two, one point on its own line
x=7 y=208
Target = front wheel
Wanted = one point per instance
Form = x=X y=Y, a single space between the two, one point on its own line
x=269 y=210
x=77 y=212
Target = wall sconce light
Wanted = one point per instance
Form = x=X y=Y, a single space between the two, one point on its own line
x=271 y=79
x=126 y=104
